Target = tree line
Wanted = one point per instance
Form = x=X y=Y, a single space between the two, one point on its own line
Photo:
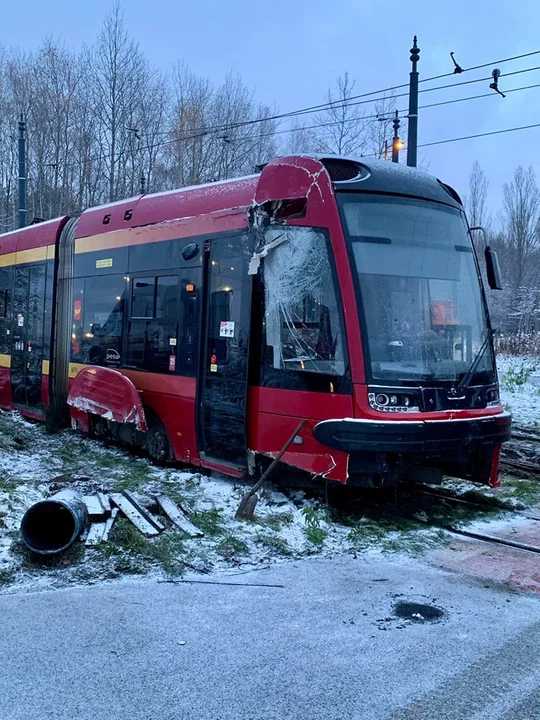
x=515 y=234
x=102 y=123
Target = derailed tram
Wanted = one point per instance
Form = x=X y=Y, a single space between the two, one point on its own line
x=202 y=324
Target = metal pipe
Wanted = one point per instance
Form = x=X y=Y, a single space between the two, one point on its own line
x=52 y=525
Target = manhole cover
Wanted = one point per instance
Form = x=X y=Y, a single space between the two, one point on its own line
x=418 y=612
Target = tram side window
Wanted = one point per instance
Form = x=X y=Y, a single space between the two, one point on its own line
x=303 y=328
x=5 y=310
x=97 y=320
x=153 y=326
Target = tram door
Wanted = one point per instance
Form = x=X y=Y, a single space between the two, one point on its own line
x=224 y=367
x=27 y=334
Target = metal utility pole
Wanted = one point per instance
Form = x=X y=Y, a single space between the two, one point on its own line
x=396 y=142
x=412 y=140
x=22 y=173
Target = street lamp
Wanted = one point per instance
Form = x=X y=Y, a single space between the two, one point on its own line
x=397 y=143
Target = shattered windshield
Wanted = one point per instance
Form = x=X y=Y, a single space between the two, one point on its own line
x=302 y=320
x=419 y=289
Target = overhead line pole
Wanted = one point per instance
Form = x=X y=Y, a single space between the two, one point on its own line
x=412 y=139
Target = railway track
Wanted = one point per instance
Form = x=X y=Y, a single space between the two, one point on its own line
x=487 y=505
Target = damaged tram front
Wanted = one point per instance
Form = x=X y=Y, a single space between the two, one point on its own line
x=204 y=324
x=375 y=324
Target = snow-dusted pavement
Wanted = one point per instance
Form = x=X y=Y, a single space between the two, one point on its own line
x=325 y=645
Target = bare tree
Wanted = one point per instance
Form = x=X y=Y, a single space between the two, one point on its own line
x=342 y=127
x=521 y=202
x=116 y=67
x=475 y=201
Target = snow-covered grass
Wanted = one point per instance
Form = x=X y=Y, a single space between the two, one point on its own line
x=519 y=379
x=34 y=465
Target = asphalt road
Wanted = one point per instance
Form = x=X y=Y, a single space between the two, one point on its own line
x=326 y=645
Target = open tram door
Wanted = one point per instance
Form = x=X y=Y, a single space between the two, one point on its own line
x=28 y=336
x=223 y=384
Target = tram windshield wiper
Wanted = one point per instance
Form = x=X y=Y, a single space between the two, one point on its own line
x=463 y=384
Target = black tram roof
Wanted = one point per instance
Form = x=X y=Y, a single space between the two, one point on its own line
x=380 y=176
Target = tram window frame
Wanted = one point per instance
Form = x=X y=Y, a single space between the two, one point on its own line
x=4 y=304
x=82 y=330
x=6 y=285
x=158 y=356
x=288 y=377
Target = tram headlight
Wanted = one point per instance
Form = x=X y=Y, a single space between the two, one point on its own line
x=393 y=402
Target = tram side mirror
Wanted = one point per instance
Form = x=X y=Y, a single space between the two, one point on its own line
x=493 y=270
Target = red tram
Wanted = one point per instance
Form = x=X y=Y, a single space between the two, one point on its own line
x=202 y=324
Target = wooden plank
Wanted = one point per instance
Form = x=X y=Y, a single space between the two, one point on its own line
x=95 y=534
x=143 y=511
x=105 y=503
x=134 y=515
x=177 y=517
x=109 y=524
x=98 y=506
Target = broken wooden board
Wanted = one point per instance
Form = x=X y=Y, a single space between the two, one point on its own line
x=177 y=517
x=98 y=506
x=95 y=534
x=99 y=531
x=141 y=518
x=109 y=524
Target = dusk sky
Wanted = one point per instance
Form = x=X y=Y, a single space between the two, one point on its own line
x=291 y=51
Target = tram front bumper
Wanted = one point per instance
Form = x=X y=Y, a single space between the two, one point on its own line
x=425 y=437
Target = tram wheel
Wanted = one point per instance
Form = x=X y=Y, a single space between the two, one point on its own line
x=157 y=443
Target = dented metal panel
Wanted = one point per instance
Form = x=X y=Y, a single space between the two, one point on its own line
x=109 y=394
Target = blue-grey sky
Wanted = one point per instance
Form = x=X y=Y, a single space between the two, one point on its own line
x=291 y=51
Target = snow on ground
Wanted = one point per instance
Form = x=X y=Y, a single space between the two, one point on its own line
x=287 y=525
x=34 y=465
x=519 y=379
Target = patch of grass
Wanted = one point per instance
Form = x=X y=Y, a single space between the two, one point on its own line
x=7 y=484
x=414 y=542
x=7 y=576
x=525 y=490
x=125 y=537
x=209 y=521
x=275 y=543
x=136 y=472
x=315 y=534
x=34 y=561
x=231 y=547
x=517 y=377
x=277 y=520
x=133 y=548
x=166 y=550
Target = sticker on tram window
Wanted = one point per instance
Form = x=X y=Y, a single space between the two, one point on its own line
x=20 y=321
x=77 y=309
x=172 y=363
x=106 y=262
x=226 y=328
x=172 y=341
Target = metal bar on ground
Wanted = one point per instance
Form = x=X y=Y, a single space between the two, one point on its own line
x=177 y=517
